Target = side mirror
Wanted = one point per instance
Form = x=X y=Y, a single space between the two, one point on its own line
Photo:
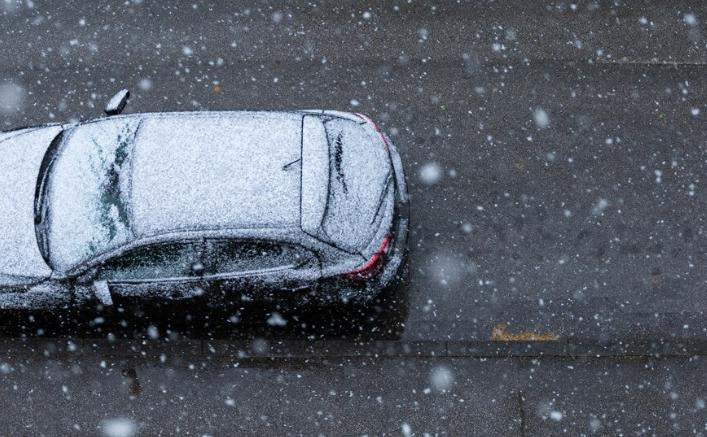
x=117 y=103
x=102 y=292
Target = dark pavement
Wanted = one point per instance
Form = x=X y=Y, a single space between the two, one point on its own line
x=74 y=388
x=555 y=156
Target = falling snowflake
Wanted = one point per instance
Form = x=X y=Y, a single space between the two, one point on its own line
x=690 y=19
x=431 y=173
x=441 y=378
x=276 y=319
x=12 y=97
x=119 y=427
x=542 y=120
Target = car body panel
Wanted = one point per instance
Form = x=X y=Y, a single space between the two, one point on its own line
x=396 y=225
x=401 y=226
x=216 y=286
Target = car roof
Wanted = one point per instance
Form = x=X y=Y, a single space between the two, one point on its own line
x=215 y=170
x=126 y=178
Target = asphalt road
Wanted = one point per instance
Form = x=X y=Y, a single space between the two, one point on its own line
x=211 y=393
x=555 y=156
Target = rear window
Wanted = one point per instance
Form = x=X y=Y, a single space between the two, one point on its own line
x=358 y=171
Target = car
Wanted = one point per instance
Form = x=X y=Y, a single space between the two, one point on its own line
x=222 y=206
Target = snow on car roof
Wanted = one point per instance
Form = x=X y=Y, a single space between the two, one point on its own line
x=215 y=171
x=137 y=176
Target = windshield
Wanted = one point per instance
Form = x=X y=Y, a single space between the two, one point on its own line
x=81 y=207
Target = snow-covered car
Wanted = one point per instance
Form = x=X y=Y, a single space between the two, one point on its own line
x=215 y=205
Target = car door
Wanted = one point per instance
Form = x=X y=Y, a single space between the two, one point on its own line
x=253 y=269
x=166 y=271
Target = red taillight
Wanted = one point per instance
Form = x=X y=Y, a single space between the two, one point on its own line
x=375 y=127
x=371 y=267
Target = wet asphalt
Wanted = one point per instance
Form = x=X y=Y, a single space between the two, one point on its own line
x=555 y=156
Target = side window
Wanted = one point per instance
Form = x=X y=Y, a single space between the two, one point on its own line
x=161 y=261
x=234 y=256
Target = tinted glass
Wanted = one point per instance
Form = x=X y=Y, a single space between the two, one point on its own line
x=173 y=260
x=228 y=256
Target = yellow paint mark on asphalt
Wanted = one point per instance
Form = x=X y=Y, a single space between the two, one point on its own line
x=498 y=333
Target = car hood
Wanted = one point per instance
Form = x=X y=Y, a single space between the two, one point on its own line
x=22 y=153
